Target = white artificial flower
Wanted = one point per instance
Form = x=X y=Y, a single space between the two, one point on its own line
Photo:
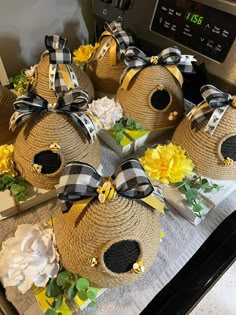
x=108 y=112
x=30 y=72
x=30 y=257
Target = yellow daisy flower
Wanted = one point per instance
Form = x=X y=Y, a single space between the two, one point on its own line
x=83 y=53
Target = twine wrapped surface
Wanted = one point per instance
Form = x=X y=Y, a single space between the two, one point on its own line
x=82 y=235
x=104 y=76
x=205 y=149
x=39 y=133
x=41 y=83
x=7 y=99
x=136 y=101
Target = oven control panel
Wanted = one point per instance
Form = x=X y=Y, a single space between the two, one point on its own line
x=205 y=29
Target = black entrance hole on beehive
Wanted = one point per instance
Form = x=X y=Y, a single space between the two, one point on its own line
x=121 y=256
x=160 y=99
x=49 y=160
x=228 y=148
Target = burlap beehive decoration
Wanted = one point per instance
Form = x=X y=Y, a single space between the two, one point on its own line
x=53 y=135
x=208 y=134
x=106 y=66
x=7 y=99
x=150 y=92
x=109 y=239
x=56 y=74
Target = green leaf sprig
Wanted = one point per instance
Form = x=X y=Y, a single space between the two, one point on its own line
x=16 y=185
x=65 y=287
x=191 y=188
x=20 y=83
x=125 y=123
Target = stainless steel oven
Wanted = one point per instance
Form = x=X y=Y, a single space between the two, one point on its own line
x=203 y=28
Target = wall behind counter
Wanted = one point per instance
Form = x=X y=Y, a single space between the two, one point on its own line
x=24 y=24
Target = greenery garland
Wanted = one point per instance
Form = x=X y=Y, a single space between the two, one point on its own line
x=65 y=287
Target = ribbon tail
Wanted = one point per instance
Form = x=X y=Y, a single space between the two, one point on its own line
x=104 y=48
x=65 y=74
x=74 y=208
x=128 y=77
x=113 y=48
x=105 y=33
x=17 y=119
x=72 y=76
x=154 y=202
x=199 y=114
x=176 y=73
x=52 y=76
x=85 y=123
x=215 y=119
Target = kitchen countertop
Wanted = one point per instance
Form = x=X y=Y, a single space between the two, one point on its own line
x=221 y=299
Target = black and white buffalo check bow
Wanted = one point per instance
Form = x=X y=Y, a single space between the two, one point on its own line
x=136 y=60
x=121 y=37
x=119 y=42
x=217 y=104
x=80 y=181
x=73 y=103
x=59 y=54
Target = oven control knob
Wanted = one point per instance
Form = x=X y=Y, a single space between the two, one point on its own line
x=124 y=4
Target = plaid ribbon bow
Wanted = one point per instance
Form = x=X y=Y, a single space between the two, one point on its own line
x=118 y=43
x=61 y=75
x=80 y=181
x=73 y=103
x=136 y=60
x=217 y=102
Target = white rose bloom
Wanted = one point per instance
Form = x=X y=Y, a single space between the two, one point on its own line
x=108 y=111
x=30 y=257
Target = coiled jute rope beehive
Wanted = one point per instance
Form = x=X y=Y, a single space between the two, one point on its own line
x=7 y=99
x=213 y=154
x=41 y=81
x=110 y=239
x=52 y=137
x=107 y=65
x=150 y=90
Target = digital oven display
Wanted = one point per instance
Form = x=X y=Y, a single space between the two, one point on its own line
x=204 y=29
x=194 y=18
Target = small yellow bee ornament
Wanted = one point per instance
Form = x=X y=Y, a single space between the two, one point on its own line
x=93 y=262
x=106 y=192
x=138 y=267
x=37 y=168
x=228 y=161
x=55 y=147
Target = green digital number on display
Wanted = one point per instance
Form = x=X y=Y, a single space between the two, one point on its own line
x=194 y=18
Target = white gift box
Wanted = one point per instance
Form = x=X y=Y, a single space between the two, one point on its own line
x=9 y=208
x=133 y=140
x=210 y=200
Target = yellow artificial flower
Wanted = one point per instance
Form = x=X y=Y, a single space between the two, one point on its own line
x=6 y=159
x=167 y=163
x=83 y=53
